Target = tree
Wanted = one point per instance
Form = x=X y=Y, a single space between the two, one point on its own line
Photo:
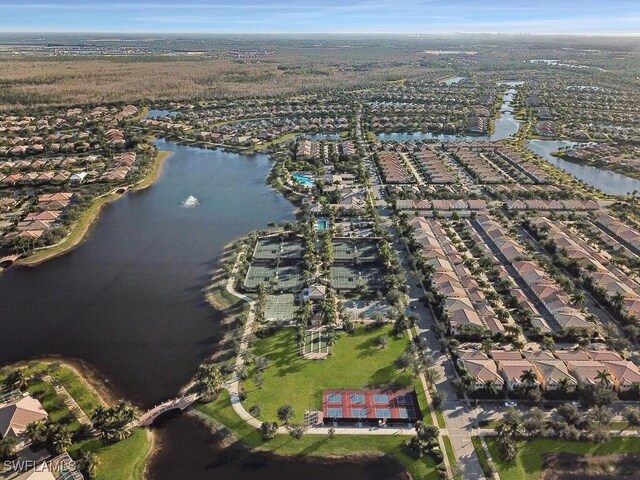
x=426 y=433
x=535 y=422
x=508 y=431
x=548 y=343
x=331 y=336
x=603 y=377
x=598 y=395
x=601 y=416
x=579 y=299
x=208 y=380
x=570 y=413
x=438 y=399
x=432 y=376
x=15 y=381
x=529 y=378
x=8 y=447
x=60 y=438
x=88 y=463
x=632 y=416
x=37 y=432
x=285 y=412
x=269 y=430
x=115 y=423
x=617 y=301
x=297 y=431
x=261 y=362
x=491 y=388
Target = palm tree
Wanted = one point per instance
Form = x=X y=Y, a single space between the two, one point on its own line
x=617 y=301
x=603 y=377
x=37 y=432
x=579 y=299
x=16 y=380
x=8 y=447
x=60 y=438
x=208 y=380
x=332 y=336
x=88 y=463
x=565 y=386
x=487 y=345
x=529 y=378
x=491 y=388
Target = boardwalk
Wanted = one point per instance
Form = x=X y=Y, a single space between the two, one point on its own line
x=178 y=403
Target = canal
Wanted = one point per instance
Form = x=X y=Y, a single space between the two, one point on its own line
x=608 y=182
x=504 y=126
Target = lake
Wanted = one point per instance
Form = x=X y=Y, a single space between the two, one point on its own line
x=129 y=301
x=608 y=182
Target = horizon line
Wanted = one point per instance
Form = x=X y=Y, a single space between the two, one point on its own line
x=410 y=34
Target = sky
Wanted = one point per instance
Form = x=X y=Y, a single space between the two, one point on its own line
x=621 y=17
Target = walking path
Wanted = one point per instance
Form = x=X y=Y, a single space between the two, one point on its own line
x=233 y=385
x=69 y=401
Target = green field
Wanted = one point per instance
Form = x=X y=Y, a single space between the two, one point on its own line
x=356 y=362
x=221 y=412
x=529 y=462
x=124 y=460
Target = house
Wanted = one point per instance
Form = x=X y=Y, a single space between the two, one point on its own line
x=513 y=370
x=554 y=374
x=587 y=372
x=77 y=178
x=481 y=368
x=504 y=355
x=313 y=293
x=15 y=416
x=626 y=373
x=572 y=355
x=61 y=467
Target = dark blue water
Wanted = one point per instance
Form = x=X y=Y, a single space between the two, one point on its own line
x=129 y=300
x=611 y=183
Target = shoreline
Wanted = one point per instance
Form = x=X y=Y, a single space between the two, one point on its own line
x=86 y=373
x=81 y=230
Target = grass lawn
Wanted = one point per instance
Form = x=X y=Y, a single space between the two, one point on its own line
x=482 y=456
x=356 y=362
x=124 y=460
x=451 y=454
x=529 y=462
x=440 y=418
x=222 y=413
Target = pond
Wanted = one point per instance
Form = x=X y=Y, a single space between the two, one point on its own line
x=611 y=183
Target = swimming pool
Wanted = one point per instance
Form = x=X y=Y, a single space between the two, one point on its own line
x=305 y=180
x=322 y=224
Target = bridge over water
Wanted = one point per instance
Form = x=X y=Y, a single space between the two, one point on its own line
x=178 y=403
